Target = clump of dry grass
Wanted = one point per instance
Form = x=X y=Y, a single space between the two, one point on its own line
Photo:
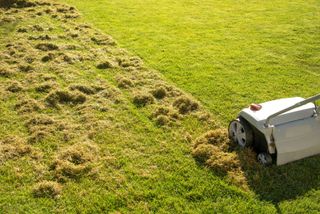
x=22 y=30
x=14 y=87
x=8 y=19
x=28 y=105
x=216 y=137
x=37 y=136
x=41 y=37
x=64 y=97
x=62 y=9
x=213 y=150
x=6 y=72
x=16 y=3
x=47 y=47
x=161 y=110
x=39 y=120
x=143 y=99
x=106 y=64
x=37 y=28
x=185 y=104
x=13 y=147
x=75 y=161
x=124 y=82
x=203 y=116
x=48 y=57
x=204 y=151
x=26 y=68
x=73 y=35
x=207 y=150
x=70 y=58
x=64 y=170
x=7 y=3
x=103 y=40
x=48 y=77
x=160 y=92
x=45 y=87
x=223 y=161
x=39 y=126
x=129 y=62
x=166 y=111
x=80 y=153
x=29 y=60
x=162 y=120
x=89 y=90
x=47 y=189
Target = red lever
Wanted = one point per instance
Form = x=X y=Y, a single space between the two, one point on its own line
x=255 y=107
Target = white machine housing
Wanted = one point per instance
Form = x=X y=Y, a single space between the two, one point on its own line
x=291 y=135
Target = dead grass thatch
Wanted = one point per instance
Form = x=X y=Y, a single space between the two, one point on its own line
x=129 y=62
x=143 y=99
x=106 y=64
x=223 y=161
x=160 y=92
x=48 y=57
x=38 y=134
x=162 y=120
x=26 y=68
x=13 y=147
x=75 y=161
x=64 y=97
x=204 y=151
x=124 y=82
x=37 y=28
x=6 y=72
x=103 y=40
x=47 y=47
x=85 y=89
x=28 y=106
x=46 y=87
x=217 y=137
x=47 y=189
x=16 y=3
x=14 y=87
x=39 y=120
x=168 y=113
x=214 y=150
x=185 y=104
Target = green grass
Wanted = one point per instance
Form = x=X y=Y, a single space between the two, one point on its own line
x=140 y=167
x=228 y=54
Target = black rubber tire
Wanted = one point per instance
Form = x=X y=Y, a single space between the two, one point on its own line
x=264 y=159
x=247 y=130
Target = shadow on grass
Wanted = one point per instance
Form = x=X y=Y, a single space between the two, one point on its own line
x=278 y=183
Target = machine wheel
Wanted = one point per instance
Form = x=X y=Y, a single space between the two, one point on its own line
x=264 y=158
x=240 y=132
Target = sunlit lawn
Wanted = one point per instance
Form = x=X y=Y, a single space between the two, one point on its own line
x=226 y=53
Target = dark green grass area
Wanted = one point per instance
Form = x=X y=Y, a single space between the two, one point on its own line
x=226 y=53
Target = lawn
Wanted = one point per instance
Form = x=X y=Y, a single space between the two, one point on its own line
x=228 y=54
x=87 y=127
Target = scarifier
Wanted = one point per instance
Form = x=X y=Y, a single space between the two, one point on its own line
x=280 y=131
